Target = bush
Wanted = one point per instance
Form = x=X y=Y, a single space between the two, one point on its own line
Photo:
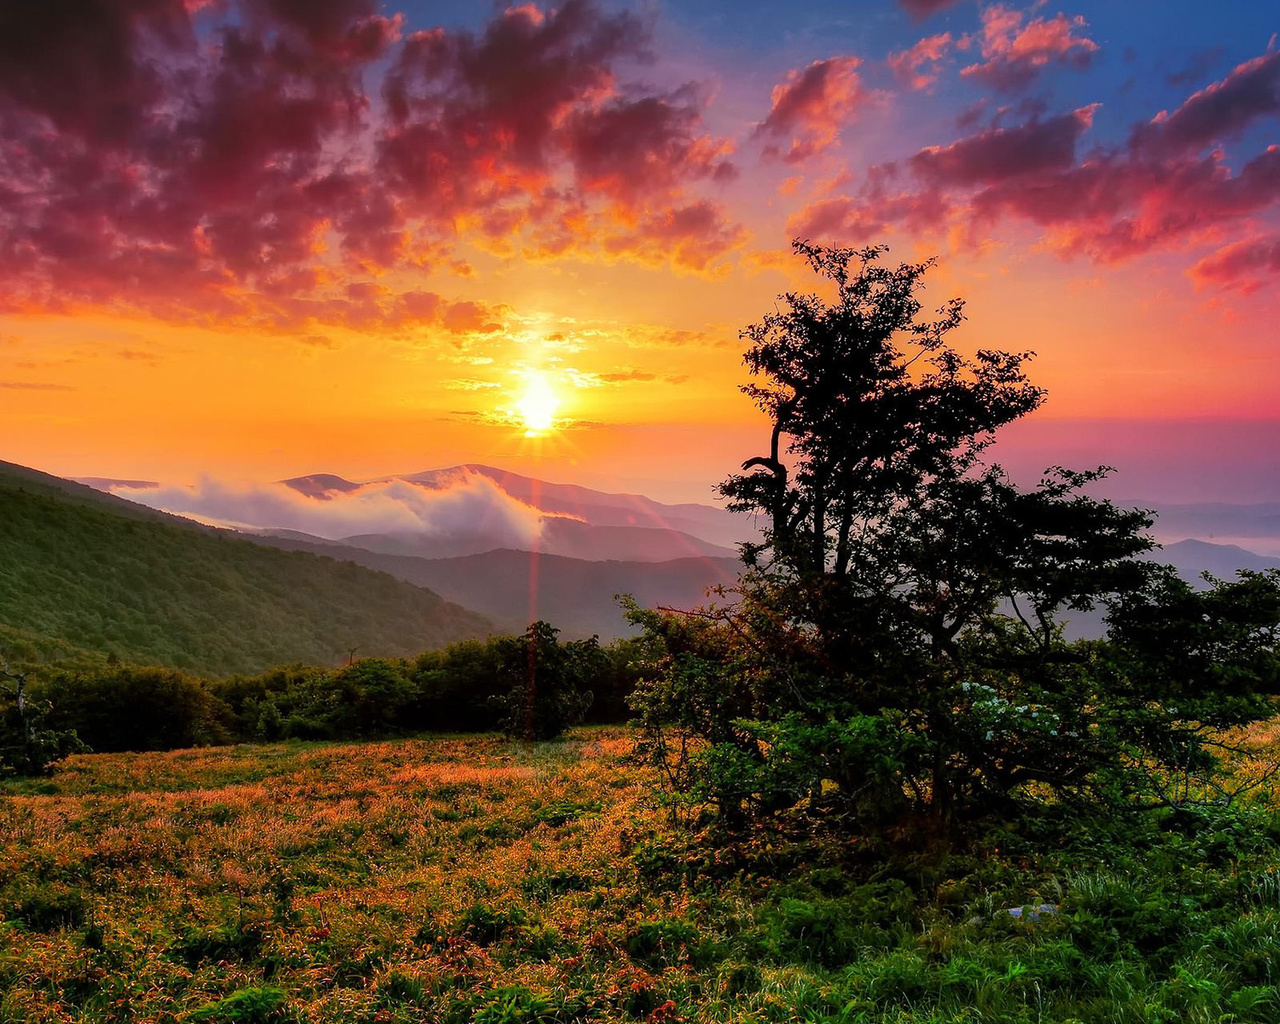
x=549 y=681
x=127 y=708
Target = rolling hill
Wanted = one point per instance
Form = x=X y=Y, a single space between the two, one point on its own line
x=86 y=574
x=574 y=594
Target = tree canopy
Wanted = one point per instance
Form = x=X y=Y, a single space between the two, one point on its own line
x=896 y=647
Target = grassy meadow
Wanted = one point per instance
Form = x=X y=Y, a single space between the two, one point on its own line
x=476 y=879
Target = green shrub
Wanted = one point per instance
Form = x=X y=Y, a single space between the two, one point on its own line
x=248 y=1006
x=486 y=925
x=228 y=942
x=49 y=907
x=548 y=681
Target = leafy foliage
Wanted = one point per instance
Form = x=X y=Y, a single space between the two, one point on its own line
x=469 y=686
x=896 y=648
x=28 y=745
x=549 y=681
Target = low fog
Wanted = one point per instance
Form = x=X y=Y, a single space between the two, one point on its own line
x=470 y=503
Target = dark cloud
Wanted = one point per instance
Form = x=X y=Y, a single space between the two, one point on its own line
x=89 y=66
x=350 y=31
x=628 y=149
x=1003 y=153
x=1218 y=113
x=921 y=9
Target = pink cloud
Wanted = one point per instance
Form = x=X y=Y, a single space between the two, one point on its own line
x=908 y=66
x=1162 y=190
x=812 y=105
x=1016 y=53
x=1242 y=265
x=1112 y=208
x=869 y=217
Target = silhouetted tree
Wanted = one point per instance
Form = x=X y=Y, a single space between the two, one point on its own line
x=896 y=647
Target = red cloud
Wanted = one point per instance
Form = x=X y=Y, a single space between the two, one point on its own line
x=906 y=64
x=1016 y=53
x=812 y=105
x=1240 y=265
x=239 y=177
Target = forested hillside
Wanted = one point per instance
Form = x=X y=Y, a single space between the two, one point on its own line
x=81 y=577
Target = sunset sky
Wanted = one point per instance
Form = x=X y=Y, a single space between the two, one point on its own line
x=263 y=238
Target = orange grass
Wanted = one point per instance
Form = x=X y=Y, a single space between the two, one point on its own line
x=322 y=869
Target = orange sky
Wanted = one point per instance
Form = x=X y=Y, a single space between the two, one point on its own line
x=258 y=241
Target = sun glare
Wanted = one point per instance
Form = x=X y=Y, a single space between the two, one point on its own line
x=537 y=406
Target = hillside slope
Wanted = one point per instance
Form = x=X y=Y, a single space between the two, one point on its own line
x=576 y=595
x=86 y=574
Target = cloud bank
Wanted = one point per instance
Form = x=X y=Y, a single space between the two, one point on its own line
x=1175 y=182
x=231 y=163
x=467 y=503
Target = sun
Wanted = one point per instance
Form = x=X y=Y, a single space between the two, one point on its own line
x=537 y=406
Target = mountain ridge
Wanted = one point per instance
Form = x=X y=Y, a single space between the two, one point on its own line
x=94 y=576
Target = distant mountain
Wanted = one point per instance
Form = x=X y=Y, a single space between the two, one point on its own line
x=601 y=508
x=85 y=573
x=106 y=483
x=579 y=522
x=590 y=544
x=88 y=491
x=323 y=486
x=1248 y=526
x=1193 y=557
x=567 y=537
x=576 y=595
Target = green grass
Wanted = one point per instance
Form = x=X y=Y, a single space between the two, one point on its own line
x=473 y=879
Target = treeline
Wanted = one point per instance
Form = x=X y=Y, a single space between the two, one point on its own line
x=531 y=685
